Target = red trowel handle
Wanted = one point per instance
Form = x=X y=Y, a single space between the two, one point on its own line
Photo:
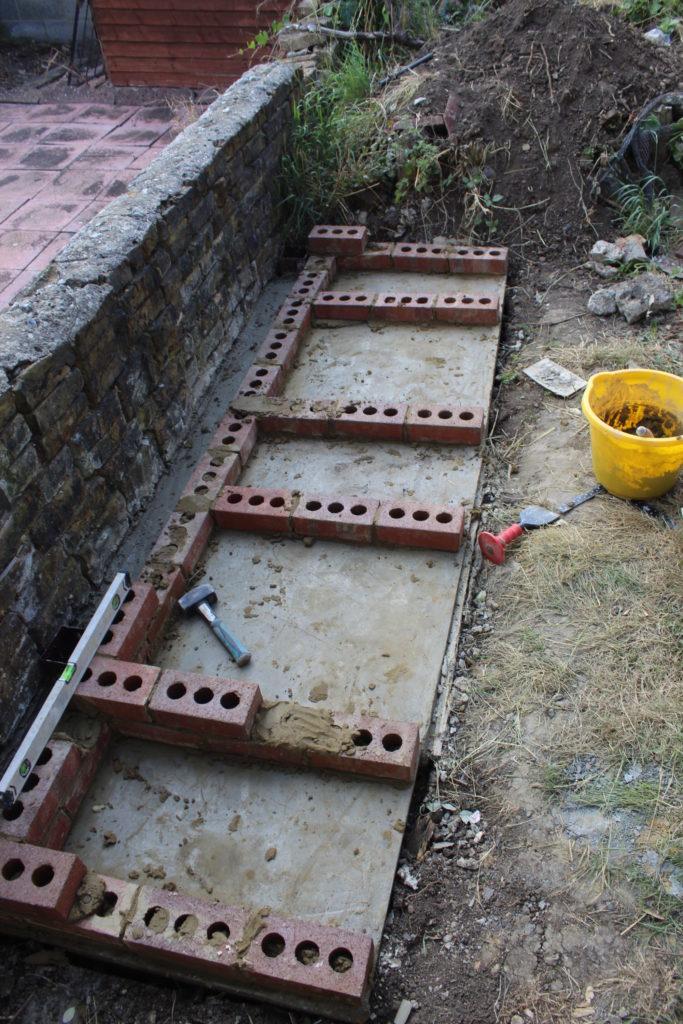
x=493 y=545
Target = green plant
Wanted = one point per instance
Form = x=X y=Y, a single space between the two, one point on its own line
x=645 y=209
x=648 y=12
x=342 y=143
x=413 y=17
x=460 y=14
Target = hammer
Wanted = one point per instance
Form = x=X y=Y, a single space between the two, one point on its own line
x=200 y=599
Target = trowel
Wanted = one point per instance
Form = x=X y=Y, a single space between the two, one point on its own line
x=493 y=545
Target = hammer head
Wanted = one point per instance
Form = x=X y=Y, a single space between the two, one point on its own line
x=203 y=593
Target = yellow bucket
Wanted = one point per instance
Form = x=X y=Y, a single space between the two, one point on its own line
x=615 y=403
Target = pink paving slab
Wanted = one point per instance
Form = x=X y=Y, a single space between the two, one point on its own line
x=19 y=248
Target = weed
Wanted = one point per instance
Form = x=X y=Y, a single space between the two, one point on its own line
x=648 y=12
x=463 y=14
x=646 y=211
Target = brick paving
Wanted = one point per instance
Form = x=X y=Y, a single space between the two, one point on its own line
x=60 y=163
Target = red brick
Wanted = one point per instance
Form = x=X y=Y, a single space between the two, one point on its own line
x=467 y=309
x=344 y=305
x=213 y=471
x=186 y=534
x=305 y=417
x=295 y=315
x=128 y=630
x=479 y=260
x=57 y=832
x=418 y=525
x=169 y=586
x=279 y=348
x=90 y=762
x=274 y=959
x=262 y=380
x=209 y=705
x=234 y=434
x=371 y=420
x=445 y=424
x=255 y=509
x=333 y=517
x=404 y=307
x=421 y=258
x=38 y=883
x=320 y=264
x=334 y=239
x=377 y=256
x=117 y=688
x=105 y=927
x=162 y=734
x=174 y=930
x=384 y=749
x=307 y=286
x=47 y=786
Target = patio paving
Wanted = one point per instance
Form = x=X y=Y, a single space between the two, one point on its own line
x=60 y=163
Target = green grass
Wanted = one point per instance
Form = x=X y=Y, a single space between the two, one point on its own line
x=639 y=214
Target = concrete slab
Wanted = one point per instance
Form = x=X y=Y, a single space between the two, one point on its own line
x=338 y=626
x=205 y=825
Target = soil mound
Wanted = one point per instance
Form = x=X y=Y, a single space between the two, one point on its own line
x=552 y=87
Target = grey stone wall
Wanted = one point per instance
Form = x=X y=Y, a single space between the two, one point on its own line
x=47 y=21
x=104 y=357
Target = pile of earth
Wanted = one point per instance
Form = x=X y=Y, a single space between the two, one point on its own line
x=551 y=88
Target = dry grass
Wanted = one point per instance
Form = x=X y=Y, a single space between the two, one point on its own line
x=657 y=347
x=601 y=634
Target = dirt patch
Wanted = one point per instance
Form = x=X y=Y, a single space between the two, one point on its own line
x=541 y=93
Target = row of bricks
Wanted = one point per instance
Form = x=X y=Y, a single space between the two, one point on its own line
x=213 y=940
x=44 y=812
x=181 y=543
x=213 y=713
x=333 y=517
x=382 y=421
x=350 y=244
x=397 y=307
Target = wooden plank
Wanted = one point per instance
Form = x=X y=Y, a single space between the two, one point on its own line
x=208 y=70
x=162 y=24
x=144 y=35
x=199 y=52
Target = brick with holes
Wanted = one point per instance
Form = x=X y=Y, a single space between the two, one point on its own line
x=420 y=258
x=56 y=833
x=295 y=315
x=404 y=307
x=334 y=517
x=129 y=628
x=213 y=471
x=183 y=539
x=377 y=421
x=336 y=239
x=254 y=508
x=445 y=424
x=37 y=883
x=47 y=786
x=209 y=705
x=344 y=305
x=320 y=264
x=235 y=434
x=478 y=260
x=262 y=380
x=118 y=689
x=382 y=749
x=418 y=525
x=471 y=310
x=257 y=949
x=279 y=348
x=307 y=286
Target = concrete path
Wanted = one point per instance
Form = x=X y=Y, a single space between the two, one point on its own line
x=59 y=164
